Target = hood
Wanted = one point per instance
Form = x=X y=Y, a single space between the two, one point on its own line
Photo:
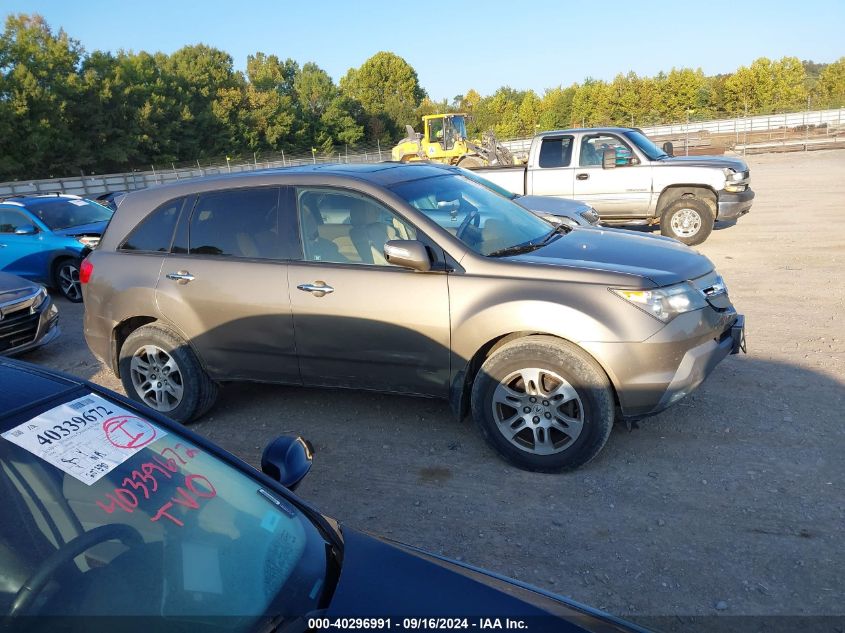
x=718 y=162
x=95 y=228
x=555 y=206
x=383 y=579
x=660 y=259
x=13 y=288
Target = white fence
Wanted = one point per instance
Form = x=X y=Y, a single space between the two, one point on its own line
x=94 y=185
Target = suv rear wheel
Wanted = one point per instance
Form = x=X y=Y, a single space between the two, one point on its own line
x=159 y=369
x=688 y=220
x=543 y=404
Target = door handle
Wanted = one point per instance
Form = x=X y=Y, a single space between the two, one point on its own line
x=318 y=288
x=582 y=176
x=182 y=277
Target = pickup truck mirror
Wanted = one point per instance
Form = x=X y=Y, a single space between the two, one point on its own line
x=608 y=158
x=408 y=254
x=669 y=148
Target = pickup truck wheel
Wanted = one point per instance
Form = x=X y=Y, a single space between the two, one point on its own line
x=543 y=404
x=160 y=370
x=688 y=220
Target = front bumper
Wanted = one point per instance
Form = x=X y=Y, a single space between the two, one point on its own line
x=651 y=375
x=733 y=205
x=47 y=330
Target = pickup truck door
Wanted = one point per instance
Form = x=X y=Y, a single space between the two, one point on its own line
x=620 y=192
x=551 y=171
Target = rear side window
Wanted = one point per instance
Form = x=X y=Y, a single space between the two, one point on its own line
x=237 y=223
x=556 y=152
x=155 y=233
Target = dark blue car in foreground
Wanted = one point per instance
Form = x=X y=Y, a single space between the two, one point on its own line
x=42 y=238
x=110 y=509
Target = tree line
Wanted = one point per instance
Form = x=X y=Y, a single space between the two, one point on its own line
x=64 y=110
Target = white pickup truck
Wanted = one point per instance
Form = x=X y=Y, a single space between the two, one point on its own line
x=629 y=180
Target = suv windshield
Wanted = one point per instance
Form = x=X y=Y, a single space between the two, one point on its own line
x=484 y=221
x=645 y=145
x=144 y=522
x=466 y=173
x=65 y=213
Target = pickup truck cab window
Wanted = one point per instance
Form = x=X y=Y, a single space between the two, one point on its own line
x=593 y=146
x=341 y=227
x=646 y=145
x=555 y=151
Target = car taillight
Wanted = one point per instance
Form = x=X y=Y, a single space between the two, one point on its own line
x=86 y=268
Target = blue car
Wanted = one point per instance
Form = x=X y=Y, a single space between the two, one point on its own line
x=42 y=238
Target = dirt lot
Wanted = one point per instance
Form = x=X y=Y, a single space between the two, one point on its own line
x=732 y=498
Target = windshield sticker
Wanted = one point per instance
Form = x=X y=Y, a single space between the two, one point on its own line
x=79 y=203
x=86 y=438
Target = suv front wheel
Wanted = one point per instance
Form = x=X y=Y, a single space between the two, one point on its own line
x=543 y=404
x=159 y=369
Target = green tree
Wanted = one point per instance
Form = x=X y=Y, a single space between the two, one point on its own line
x=388 y=89
x=38 y=84
x=831 y=87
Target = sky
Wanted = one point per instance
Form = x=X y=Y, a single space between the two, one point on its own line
x=458 y=45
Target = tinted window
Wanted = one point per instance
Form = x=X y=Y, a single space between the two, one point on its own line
x=63 y=213
x=237 y=223
x=343 y=227
x=10 y=220
x=556 y=152
x=155 y=233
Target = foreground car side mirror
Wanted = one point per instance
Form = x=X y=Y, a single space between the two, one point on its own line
x=287 y=460
x=669 y=148
x=408 y=253
x=26 y=229
x=608 y=159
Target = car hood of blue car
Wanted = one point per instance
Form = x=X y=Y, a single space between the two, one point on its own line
x=95 y=228
x=384 y=579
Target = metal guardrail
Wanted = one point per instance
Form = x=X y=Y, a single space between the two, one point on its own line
x=741 y=128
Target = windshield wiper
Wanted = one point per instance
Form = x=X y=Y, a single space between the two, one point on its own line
x=518 y=249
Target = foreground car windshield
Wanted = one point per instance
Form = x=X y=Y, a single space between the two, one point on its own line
x=484 y=221
x=107 y=513
x=64 y=214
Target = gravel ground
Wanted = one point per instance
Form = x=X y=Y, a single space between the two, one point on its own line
x=730 y=503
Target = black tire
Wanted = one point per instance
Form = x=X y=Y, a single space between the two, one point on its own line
x=688 y=220
x=66 y=279
x=198 y=391
x=595 y=403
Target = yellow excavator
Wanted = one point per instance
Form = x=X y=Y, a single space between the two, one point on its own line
x=444 y=140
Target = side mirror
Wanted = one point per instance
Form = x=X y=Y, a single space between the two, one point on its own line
x=608 y=159
x=287 y=460
x=669 y=148
x=26 y=229
x=408 y=253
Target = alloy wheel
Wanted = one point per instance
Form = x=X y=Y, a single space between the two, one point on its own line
x=68 y=277
x=686 y=222
x=157 y=378
x=538 y=411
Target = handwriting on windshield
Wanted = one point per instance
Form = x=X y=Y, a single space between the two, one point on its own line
x=144 y=482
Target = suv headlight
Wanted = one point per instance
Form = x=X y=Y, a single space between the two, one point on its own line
x=666 y=303
x=39 y=300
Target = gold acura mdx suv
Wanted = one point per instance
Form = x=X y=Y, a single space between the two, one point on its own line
x=407 y=279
